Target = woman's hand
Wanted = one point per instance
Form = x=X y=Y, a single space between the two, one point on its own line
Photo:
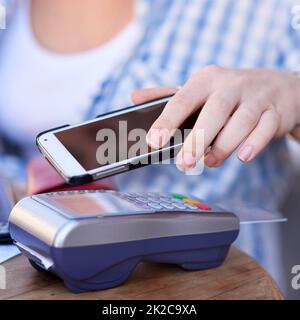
x=237 y=108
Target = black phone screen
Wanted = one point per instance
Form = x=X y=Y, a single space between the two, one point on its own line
x=114 y=138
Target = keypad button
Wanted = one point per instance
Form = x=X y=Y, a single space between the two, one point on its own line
x=151 y=194
x=154 y=205
x=179 y=206
x=143 y=200
x=177 y=201
x=204 y=207
x=178 y=196
x=133 y=194
x=192 y=207
x=163 y=196
x=158 y=201
x=167 y=206
x=140 y=194
x=191 y=201
x=165 y=200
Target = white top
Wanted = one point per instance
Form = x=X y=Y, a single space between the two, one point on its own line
x=42 y=89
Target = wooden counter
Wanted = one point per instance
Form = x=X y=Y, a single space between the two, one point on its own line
x=240 y=277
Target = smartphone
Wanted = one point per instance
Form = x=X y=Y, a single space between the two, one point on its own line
x=74 y=151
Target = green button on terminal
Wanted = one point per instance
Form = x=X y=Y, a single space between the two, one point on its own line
x=178 y=196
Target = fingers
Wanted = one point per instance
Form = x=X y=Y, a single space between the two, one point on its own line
x=148 y=94
x=229 y=116
x=260 y=136
x=239 y=126
x=187 y=100
x=211 y=120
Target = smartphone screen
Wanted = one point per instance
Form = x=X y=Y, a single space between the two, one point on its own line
x=86 y=142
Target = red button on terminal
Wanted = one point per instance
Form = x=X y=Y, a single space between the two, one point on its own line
x=202 y=206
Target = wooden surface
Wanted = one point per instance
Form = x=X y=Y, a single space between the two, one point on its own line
x=240 y=277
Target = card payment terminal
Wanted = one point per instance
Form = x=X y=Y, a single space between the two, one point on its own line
x=94 y=239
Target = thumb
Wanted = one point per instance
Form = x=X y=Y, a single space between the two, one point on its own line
x=148 y=94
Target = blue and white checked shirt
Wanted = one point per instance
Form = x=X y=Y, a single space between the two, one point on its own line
x=180 y=37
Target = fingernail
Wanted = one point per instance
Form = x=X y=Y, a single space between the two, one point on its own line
x=154 y=138
x=189 y=159
x=186 y=161
x=245 y=153
x=211 y=160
